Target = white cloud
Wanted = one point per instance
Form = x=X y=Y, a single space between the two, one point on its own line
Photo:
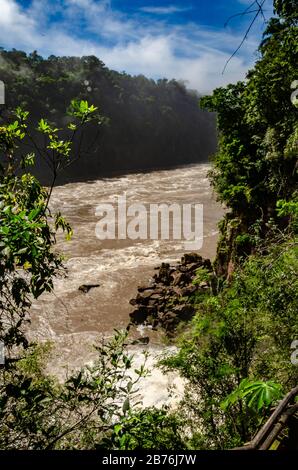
x=14 y=24
x=167 y=10
x=155 y=57
x=192 y=53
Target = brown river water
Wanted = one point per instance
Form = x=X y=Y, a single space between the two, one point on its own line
x=74 y=320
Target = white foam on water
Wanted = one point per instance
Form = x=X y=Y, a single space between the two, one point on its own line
x=158 y=388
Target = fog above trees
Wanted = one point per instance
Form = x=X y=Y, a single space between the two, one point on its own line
x=149 y=124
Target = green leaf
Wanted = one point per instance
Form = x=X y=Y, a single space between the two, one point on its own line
x=126 y=405
x=256 y=394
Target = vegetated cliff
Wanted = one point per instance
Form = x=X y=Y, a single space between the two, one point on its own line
x=149 y=124
x=255 y=168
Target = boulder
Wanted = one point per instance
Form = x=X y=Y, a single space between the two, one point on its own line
x=139 y=315
x=145 y=295
x=86 y=287
x=188 y=290
x=192 y=267
x=164 y=302
x=144 y=288
x=184 y=312
x=207 y=264
x=179 y=278
x=189 y=258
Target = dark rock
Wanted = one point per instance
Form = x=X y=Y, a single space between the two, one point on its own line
x=169 y=318
x=161 y=308
x=139 y=316
x=207 y=264
x=192 y=267
x=145 y=295
x=164 y=275
x=164 y=302
x=179 y=278
x=143 y=289
x=189 y=290
x=183 y=269
x=177 y=291
x=86 y=287
x=157 y=296
x=189 y=258
x=170 y=321
x=184 y=312
x=154 y=302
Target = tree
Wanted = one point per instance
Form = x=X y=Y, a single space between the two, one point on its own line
x=141 y=115
x=95 y=406
x=256 y=162
x=27 y=261
x=235 y=354
x=38 y=413
x=286 y=9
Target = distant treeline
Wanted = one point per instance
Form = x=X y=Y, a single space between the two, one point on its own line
x=149 y=124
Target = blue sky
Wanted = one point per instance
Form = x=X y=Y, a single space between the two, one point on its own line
x=178 y=39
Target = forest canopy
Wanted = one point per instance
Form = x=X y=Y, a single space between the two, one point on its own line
x=142 y=115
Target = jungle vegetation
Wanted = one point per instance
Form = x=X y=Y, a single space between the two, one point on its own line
x=141 y=115
x=235 y=354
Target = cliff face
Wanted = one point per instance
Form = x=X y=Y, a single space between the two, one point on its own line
x=149 y=124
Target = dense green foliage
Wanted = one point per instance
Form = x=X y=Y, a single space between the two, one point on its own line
x=142 y=116
x=39 y=413
x=150 y=428
x=235 y=355
x=256 y=163
x=27 y=261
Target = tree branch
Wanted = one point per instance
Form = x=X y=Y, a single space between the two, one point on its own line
x=259 y=11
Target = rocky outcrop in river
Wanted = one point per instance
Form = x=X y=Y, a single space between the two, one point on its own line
x=169 y=297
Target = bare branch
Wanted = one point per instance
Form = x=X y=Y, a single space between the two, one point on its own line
x=245 y=12
x=240 y=14
x=259 y=11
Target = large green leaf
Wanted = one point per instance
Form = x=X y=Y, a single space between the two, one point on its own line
x=256 y=394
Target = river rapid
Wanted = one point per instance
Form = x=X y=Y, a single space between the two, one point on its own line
x=74 y=320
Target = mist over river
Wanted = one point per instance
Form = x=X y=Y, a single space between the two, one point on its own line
x=74 y=320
